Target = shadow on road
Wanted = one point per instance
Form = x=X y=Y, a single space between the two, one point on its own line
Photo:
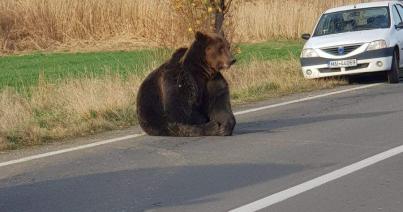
x=140 y=189
x=270 y=125
x=369 y=78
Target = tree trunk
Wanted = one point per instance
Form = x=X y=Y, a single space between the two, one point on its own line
x=219 y=18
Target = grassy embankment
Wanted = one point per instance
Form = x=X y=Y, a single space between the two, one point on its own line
x=24 y=71
x=44 y=97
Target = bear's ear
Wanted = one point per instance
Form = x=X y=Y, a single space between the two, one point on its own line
x=201 y=36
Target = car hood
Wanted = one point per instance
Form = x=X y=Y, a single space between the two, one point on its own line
x=347 y=38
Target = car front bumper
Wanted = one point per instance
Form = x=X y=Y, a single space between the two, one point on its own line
x=369 y=61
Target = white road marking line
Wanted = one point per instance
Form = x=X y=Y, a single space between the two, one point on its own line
x=86 y=146
x=305 y=99
x=34 y=157
x=306 y=186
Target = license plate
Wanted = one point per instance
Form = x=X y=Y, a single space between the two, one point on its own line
x=342 y=63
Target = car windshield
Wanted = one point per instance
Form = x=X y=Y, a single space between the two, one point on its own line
x=353 y=20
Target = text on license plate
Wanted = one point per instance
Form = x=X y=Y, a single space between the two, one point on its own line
x=342 y=63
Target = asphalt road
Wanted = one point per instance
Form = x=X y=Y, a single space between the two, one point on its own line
x=272 y=150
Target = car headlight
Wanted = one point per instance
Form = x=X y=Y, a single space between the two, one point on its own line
x=309 y=53
x=378 y=44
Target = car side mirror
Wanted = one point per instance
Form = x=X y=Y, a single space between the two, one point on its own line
x=399 y=26
x=306 y=36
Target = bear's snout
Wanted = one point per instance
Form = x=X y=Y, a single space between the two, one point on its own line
x=230 y=62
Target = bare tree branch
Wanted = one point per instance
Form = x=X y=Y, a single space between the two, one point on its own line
x=219 y=17
x=228 y=6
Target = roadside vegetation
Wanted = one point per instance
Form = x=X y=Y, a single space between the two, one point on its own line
x=71 y=68
x=24 y=71
x=77 y=25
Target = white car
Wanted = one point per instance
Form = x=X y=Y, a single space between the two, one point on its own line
x=356 y=39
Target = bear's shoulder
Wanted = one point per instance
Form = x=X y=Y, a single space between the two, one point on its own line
x=177 y=56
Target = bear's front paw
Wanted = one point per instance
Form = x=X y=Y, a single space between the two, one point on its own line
x=212 y=128
x=225 y=130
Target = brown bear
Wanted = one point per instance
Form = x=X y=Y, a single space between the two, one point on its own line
x=187 y=95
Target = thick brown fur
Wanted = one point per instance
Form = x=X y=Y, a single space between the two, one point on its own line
x=187 y=95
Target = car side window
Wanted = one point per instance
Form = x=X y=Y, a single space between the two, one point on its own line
x=396 y=16
x=400 y=10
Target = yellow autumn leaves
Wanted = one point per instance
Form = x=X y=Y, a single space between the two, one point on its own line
x=199 y=14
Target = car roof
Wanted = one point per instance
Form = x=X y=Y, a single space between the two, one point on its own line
x=362 y=5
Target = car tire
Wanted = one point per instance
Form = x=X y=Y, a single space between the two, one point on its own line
x=393 y=74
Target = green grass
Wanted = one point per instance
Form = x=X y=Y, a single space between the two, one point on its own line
x=271 y=50
x=24 y=71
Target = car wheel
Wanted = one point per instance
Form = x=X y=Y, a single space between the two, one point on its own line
x=393 y=74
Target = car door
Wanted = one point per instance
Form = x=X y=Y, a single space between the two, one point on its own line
x=399 y=8
x=397 y=17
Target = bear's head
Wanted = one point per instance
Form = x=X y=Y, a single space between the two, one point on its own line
x=216 y=51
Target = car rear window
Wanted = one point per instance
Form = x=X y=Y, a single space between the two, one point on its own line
x=353 y=20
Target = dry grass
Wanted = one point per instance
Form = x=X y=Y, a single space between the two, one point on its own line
x=84 y=106
x=264 y=19
x=71 y=108
x=43 y=24
x=69 y=24
x=262 y=79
